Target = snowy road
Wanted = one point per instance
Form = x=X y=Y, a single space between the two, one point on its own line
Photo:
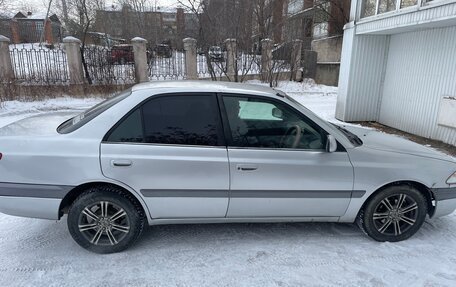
x=42 y=253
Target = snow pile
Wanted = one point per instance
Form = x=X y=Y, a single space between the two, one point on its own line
x=11 y=111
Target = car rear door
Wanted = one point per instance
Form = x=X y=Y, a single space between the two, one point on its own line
x=172 y=150
x=271 y=175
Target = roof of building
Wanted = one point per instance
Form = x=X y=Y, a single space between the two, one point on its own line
x=38 y=16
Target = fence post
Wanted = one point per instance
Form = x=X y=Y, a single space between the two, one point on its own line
x=266 y=59
x=6 y=69
x=296 y=60
x=74 y=59
x=309 y=64
x=191 y=61
x=140 y=55
x=230 y=45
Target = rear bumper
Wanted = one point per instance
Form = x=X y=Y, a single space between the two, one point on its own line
x=44 y=208
x=32 y=200
x=445 y=201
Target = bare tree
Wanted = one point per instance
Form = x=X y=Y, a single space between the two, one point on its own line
x=261 y=14
x=21 y=5
x=78 y=18
x=218 y=21
x=136 y=5
x=336 y=13
x=199 y=9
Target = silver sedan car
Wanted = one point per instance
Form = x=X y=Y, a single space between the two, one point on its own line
x=206 y=152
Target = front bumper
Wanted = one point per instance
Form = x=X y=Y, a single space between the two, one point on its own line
x=445 y=201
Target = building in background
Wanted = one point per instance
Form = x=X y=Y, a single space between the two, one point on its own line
x=225 y=19
x=319 y=24
x=31 y=28
x=269 y=19
x=299 y=21
x=399 y=66
x=157 y=27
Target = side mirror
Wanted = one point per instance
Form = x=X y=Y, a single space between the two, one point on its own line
x=277 y=113
x=331 y=144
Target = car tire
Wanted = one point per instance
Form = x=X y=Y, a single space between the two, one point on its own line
x=394 y=214
x=105 y=219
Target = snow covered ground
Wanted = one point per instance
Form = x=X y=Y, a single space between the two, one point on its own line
x=41 y=253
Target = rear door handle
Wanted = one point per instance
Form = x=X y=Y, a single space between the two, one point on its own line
x=247 y=167
x=121 y=163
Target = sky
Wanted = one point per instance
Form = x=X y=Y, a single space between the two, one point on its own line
x=41 y=4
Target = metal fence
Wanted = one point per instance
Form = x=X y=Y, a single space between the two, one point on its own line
x=104 y=65
x=167 y=68
x=246 y=64
x=36 y=64
x=249 y=64
x=39 y=64
x=211 y=67
x=281 y=57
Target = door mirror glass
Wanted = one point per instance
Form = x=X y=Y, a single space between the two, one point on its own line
x=331 y=144
x=277 y=113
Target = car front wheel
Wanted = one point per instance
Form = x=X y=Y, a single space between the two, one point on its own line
x=105 y=220
x=394 y=214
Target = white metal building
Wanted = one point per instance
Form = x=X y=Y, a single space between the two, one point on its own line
x=399 y=66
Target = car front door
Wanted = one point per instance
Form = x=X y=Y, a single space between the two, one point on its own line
x=279 y=165
x=172 y=150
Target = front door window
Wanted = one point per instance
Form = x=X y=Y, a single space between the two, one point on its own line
x=263 y=123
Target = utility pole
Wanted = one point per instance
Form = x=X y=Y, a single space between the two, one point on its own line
x=65 y=11
x=44 y=23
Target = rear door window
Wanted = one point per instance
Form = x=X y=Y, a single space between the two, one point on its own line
x=175 y=119
x=183 y=120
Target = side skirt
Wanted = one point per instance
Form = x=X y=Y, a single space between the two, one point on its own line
x=240 y=220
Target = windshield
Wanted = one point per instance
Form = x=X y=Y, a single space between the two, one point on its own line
x=85 y=117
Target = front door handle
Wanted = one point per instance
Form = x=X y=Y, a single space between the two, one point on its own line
x=121 y=163
x=247 y=167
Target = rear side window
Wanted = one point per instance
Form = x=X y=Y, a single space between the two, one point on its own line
x=129 y=130
x=178 y=120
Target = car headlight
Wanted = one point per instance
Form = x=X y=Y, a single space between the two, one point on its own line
x=452 y=179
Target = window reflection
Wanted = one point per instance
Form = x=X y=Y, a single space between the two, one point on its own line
x=369 y=7
x=386 y=6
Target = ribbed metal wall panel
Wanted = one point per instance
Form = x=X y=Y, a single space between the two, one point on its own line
x=427 y=14
x=366 y=77
x=420 y=71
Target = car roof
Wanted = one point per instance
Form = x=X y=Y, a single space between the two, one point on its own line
x=206 y=86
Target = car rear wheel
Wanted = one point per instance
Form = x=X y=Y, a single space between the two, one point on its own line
x=394 y=214
x=105 y=220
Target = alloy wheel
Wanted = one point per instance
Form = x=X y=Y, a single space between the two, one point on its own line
x=104 y=223
x=395 y=214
